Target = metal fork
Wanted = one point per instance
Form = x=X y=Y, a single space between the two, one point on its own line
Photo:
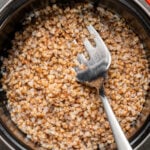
x=94 y=75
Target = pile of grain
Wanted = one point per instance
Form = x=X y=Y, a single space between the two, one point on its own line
x=44 y=99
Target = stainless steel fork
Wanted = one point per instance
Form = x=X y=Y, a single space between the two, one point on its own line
x=94 y=75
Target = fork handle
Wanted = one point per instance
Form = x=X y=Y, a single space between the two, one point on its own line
x=120 y=138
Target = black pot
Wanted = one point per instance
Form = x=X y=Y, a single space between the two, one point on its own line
x=11 y=16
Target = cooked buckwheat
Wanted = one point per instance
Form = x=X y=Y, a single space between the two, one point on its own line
x=45 y=100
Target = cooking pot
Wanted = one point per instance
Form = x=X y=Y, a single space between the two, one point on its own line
x=11 y=16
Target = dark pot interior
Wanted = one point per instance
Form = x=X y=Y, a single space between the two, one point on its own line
x=10 y=21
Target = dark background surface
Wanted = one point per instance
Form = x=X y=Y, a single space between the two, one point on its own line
x=145 y=146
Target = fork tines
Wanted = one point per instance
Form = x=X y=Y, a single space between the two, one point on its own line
x=99 y=61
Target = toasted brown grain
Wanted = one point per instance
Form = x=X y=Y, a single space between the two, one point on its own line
x=44 y=99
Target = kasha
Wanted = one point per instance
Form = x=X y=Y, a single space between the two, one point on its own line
x=44 y=98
